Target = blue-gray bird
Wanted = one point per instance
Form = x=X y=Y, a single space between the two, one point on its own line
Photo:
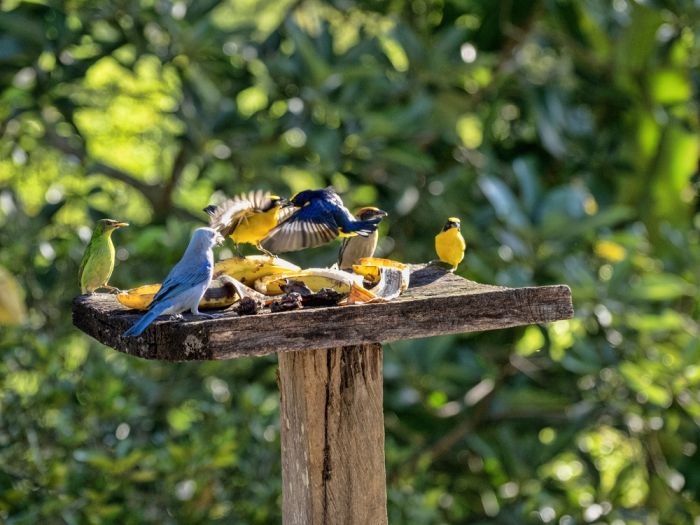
x=186 y=283
x=320 y=218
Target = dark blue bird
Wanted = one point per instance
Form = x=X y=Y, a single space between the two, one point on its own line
x=320 y=218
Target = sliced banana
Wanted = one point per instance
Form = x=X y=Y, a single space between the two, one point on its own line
x=218 y=295
x=314 y=278
x=253 y=267
x=370 y=269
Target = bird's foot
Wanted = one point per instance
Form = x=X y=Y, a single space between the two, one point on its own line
x=176 y=317
x=269 y=254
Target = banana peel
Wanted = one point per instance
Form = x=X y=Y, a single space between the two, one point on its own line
x=219 y=295
x=361 y=295
x=268 y=275
x=390 y=285
x=249 y=269
x=314 y=278
x=374 y=270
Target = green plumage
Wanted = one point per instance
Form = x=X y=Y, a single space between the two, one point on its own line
x=98 y=261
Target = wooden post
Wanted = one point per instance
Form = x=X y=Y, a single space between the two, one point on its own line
x=330 y=373
x=332 y=425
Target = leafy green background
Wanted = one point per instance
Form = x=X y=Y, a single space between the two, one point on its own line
x=564 y=133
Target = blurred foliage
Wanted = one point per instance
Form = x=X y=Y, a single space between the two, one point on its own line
x=564 y=133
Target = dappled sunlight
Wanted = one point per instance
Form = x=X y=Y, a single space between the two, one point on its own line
x=564 y=135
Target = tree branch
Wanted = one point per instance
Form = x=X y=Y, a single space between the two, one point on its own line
x=150 y=191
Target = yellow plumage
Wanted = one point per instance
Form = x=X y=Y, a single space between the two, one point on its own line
x=248 y=218
x=255 y=226
x=449 y=243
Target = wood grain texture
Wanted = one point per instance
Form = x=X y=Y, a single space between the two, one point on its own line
x=332 y=429
x=436 y=303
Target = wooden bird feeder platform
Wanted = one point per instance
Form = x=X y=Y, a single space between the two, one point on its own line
x=330 y=373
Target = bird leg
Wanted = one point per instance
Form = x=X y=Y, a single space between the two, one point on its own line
x=269 y=254
x=176 y=317
x=238 y=249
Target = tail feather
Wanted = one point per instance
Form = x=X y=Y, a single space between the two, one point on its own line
x=363 y=228
x=139 y=326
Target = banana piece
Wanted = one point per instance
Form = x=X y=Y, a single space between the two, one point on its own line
x=314 y=278
x=370 y=269
x=360 y=295
x=244 y=291
x=249 y=269
x=390 y=283
x=218 y=295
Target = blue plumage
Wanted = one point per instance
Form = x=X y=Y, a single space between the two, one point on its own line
x=320 y=218
x=186 y=283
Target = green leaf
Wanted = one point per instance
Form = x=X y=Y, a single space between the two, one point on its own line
x=660 y=287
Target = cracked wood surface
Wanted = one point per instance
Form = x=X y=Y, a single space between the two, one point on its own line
x=332 y=433
x=436 y=303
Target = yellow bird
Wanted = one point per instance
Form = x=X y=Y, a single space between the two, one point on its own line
x=449 y=243
x=355 y=248
x=248 y=218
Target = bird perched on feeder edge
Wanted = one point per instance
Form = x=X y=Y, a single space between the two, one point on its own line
x=449 y=243
x=98 y=260
x=186 y=283
x=355 y=248
x=319 y=218
x=248 y=218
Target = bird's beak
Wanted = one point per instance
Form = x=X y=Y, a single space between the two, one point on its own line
x=284 y=203
x=120 y=225
x=381 y=213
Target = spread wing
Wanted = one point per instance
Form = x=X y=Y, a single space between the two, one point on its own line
x=226 y=217
x=305 y=228
x=285 y=213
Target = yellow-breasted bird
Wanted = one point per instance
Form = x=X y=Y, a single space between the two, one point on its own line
x=98 y=260
x=355 y=248
x=449 y=243
x=248 y=218
x=319 y=218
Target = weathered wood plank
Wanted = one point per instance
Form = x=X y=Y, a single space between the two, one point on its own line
x=332 y=430
x=436 y=303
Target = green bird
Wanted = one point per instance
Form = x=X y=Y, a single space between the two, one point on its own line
x=98 y=260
